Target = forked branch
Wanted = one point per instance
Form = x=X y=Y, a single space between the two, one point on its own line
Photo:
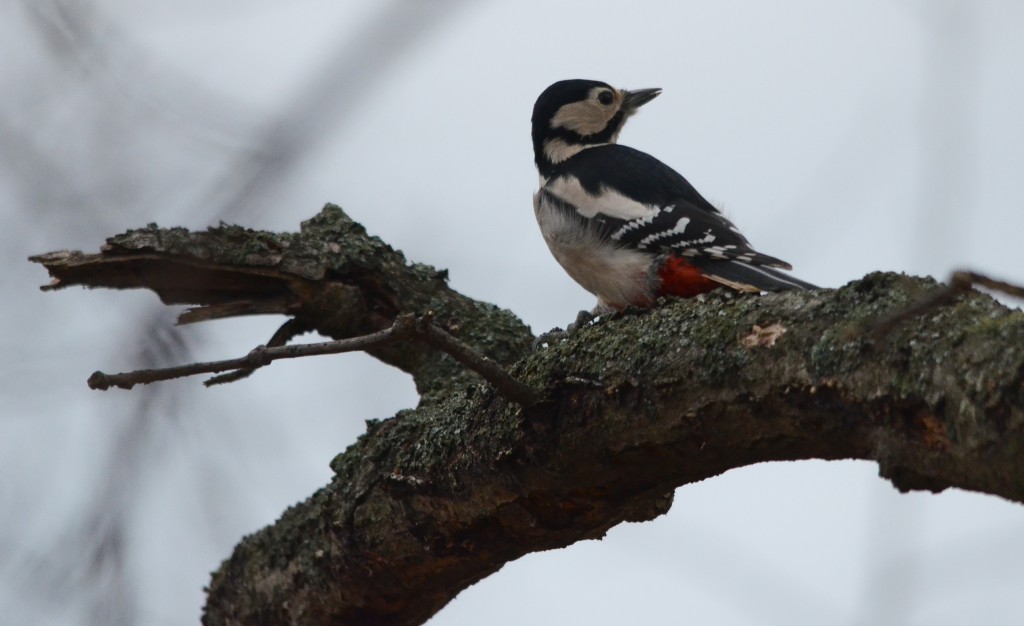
x=406 y=327
x=627 y=409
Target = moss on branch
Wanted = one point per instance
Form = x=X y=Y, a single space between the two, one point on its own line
x=635 y=405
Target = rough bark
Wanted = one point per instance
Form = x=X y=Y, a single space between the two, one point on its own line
x=635 y=405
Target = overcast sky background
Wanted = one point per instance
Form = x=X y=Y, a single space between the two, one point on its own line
x=843 y=136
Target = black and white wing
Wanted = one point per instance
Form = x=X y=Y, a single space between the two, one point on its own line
x=640 y=203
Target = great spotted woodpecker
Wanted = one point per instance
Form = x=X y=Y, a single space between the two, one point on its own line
x=624 y=225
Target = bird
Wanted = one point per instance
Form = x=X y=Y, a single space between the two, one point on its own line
x=625 y=226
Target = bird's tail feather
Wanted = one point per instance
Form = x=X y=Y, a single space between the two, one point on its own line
x=748 y=277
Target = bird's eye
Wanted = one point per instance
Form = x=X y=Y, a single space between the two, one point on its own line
x=605 y=97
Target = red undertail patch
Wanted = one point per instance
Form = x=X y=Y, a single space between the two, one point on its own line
x=680 y=278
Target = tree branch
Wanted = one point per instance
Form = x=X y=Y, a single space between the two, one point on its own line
x=331 y=276
x=285 y=333
x=405 y=327
x=633 y=406
x=959 y=283
x=257 y=357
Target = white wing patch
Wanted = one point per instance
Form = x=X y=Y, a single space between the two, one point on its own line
x=686 y=247
x=720 y=252
x=607 y=202
x=678 y=229
x=641 y=222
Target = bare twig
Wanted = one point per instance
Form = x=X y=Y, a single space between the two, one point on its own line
x=257 y=357
x=288 y=331
x=510 y=388
x=405 y=326
x=959 y=282
x=990 y=283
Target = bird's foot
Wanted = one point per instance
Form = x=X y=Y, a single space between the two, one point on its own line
x=557 y=334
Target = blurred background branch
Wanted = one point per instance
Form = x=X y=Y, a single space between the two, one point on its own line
x=132 y=109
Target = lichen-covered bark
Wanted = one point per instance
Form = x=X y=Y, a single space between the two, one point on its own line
x=331 y=275
x=428 y=502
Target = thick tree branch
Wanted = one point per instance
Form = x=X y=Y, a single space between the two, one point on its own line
x=959 y=283
x=633 y=406
x=331 y=276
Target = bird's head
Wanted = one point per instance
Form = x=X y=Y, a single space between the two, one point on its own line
x=573 y=114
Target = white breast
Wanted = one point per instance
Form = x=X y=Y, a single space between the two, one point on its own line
x=617 y=276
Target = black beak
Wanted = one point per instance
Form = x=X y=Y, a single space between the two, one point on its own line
x=639 y=97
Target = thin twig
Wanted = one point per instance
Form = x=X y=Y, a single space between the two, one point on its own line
x=405 y=326
x=1009 y=289
x=288 y=331
x=510 y=388
x=959 y=282
x=257 y=357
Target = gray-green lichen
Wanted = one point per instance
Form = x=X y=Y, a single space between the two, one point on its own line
x=631 y=406
x=332 y=274
x=639 y=402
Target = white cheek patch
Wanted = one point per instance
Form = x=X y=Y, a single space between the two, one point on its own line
x=607 y=202
x=583 y=118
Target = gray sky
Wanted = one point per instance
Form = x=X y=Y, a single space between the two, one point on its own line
x=845 y=137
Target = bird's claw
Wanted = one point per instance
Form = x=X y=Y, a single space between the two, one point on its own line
x=582 y=319
x=557 y=334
